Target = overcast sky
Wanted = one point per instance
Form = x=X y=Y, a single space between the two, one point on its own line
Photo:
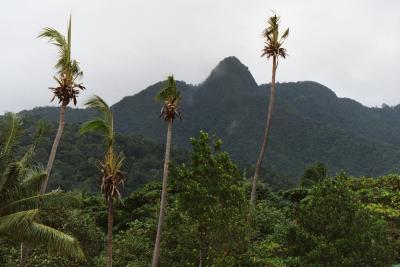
x=353 y=47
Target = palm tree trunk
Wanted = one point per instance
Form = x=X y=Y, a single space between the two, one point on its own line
x=200 y=254
x=24 y=247
x=266 y=133
x=200 y=258
x=109 y=231
x=54 y=148
x=156 y=253
x=24 y=254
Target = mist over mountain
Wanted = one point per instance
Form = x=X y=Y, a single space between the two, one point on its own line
x=310 y=122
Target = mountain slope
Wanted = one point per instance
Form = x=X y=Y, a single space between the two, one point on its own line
x=311 y=123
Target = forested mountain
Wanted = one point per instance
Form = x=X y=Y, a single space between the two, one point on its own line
x=311 y=123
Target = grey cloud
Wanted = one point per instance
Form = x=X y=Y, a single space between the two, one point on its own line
x=124 y=46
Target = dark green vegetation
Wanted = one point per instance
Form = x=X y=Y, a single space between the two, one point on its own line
x=338 y=221
x=21 y=204
x=310 y=124
x=77 y=157
x=218 y=233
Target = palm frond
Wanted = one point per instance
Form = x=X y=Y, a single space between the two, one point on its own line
x=170 y=93
x=27 y=157
x=171 y=97
x=42 y=128
x=96 y=125
x=19 y=199
x=55 y=199
x=10 y=177
x=112 y=176
x=285 y=35
x=19 y=222
x=76 y=70
x=54 y=36
x=15 y=170
x=103 y=125
x=14 y=189
x=57 y=39
x=69 y=38
x=34 y=180
x=3 y=180
x=57 y=242
x=68 y=69
x=274 y=41
x=10 y=223
x=20 y=226
x=11 y=131
x=96 y=102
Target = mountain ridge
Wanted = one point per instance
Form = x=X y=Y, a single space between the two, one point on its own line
x=311 y=122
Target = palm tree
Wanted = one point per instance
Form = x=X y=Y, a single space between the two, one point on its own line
x=67 y=90
x=272 y=49
x=20 y=203
x=112 y=176
x=170 y=96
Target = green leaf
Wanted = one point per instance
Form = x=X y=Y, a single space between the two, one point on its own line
x=10 y=223
x=55 y=199
x=103 y=125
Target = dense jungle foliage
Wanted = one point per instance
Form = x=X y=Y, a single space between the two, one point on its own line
x=77 y=158
x=324 y=221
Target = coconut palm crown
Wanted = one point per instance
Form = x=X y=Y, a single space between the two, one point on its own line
x=112 y=176
x=274 y=42
x=171 y=96
x=68 y=69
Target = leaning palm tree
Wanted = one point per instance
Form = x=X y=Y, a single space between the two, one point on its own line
x=20 y=203
x=170 y=97
x=112 y=176
x=273 y=49
x=67 y=89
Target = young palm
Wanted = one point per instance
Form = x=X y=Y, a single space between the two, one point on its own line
x=112 y=176
x=20 y=204
x=67 y=89
x=170 y=96
x=273 y=49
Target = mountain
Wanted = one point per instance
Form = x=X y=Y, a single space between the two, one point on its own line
x=310 y=122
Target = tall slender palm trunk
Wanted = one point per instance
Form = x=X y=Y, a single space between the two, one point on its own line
x=200 y=258
x=53 y=151
x=156 y=253
x=24 y=247
x=266 y=133
x=24 y=254
x=110 y=222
